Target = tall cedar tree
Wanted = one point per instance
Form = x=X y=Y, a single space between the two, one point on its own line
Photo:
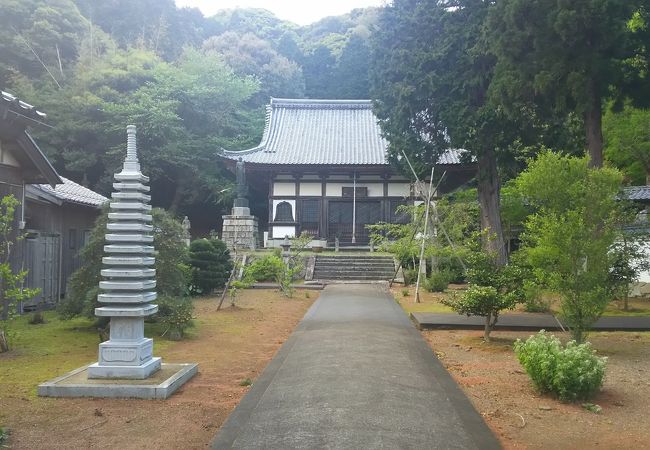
x=430 y=80
x=570 y=56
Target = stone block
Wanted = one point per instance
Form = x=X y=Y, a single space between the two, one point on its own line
x=161 y=385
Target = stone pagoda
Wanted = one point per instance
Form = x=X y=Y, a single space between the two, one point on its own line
x=128 y=277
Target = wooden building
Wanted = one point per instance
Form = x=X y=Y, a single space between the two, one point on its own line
x=322 y=165
x=55 y=214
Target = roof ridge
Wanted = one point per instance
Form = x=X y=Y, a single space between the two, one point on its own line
x=312 y=103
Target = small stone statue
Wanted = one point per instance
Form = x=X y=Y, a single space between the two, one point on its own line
x=186 y=230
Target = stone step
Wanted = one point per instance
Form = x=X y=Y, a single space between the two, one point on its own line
x=354 y=263
x=356 y=269
x=336 y=273
x=353 y=277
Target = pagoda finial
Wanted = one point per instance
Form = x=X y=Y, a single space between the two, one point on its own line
x=131 y=163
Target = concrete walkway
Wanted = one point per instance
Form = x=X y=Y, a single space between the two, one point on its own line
x=355 y=374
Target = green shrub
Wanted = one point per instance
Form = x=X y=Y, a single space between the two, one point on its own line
x=210 y=265
x=438 y=281
x=410 y=276
x=37 y=318
x=405 y=293
x=572 y=373
x=267 y=268
x=533 y=300
x=454 y=268
x=4 y=437
x=176 y=314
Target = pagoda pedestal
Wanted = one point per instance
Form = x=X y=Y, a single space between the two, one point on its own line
x=240 y=229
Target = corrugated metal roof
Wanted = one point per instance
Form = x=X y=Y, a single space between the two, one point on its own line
x=637 y=192
x=322 y=132
x=72 y=192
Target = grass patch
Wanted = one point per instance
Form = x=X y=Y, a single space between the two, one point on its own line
x=44 y=351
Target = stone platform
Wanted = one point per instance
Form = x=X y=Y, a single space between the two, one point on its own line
x=158 y=386
x=240 y=230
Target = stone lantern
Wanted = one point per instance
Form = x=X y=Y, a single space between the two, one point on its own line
x=128 y=277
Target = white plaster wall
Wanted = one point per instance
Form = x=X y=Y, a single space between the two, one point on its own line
x=283 y=188
x=291 y=202
x=336 y=189
x=314 y=189
x=282 y=231
x=399 y=189
x=7 y=158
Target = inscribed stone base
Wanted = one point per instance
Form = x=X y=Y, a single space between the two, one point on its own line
x=240 y=232
x=141 y=372
x=160 y=385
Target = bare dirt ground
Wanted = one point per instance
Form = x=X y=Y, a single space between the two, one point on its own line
x=494 y=381
x=231 y=345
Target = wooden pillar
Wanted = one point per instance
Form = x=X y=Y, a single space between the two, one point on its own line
x=323 y=207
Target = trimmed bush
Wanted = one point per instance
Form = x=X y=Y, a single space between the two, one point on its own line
x=176 y=314
x=438 y=281
x=267 y=268
x=572 y=373
x=210 y=265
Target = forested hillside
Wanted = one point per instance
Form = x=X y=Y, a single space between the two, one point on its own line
x=192 y=84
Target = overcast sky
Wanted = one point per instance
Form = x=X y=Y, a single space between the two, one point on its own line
x=301 y=12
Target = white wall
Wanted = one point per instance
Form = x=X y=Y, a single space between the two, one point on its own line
x=399 y=189
x=283 y=188
x=313 y=189
x=282 y=231
x=336 y=189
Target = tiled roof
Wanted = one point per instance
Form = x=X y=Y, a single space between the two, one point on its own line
x=637 y=192
x=72 y=192
x=322 y=132
x=21 y=107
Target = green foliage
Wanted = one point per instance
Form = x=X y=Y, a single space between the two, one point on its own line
x=36 y=318
x=493 y=287
x=579 y=54
x=405 y=293
x=4 y=437
x=410 y=275
x=176 y=313
x=567 y=241
x=533 y=299
x=246 y=382
x=249 y=55
x=627 y=142
x=210 y=265
x=628 y=261
x=266 y=268
x=12 y=290
x=171 y=264
x=572 y=373
x=438 y=281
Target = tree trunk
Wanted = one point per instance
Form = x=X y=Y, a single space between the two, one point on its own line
x=4 y=342
x=594 y=128
x=488 y=328
x=488 y=197
x=178 y=194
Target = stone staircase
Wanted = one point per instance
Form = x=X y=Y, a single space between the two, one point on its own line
x=366 y=268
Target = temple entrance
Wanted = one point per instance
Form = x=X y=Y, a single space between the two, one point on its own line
x=340 y=220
